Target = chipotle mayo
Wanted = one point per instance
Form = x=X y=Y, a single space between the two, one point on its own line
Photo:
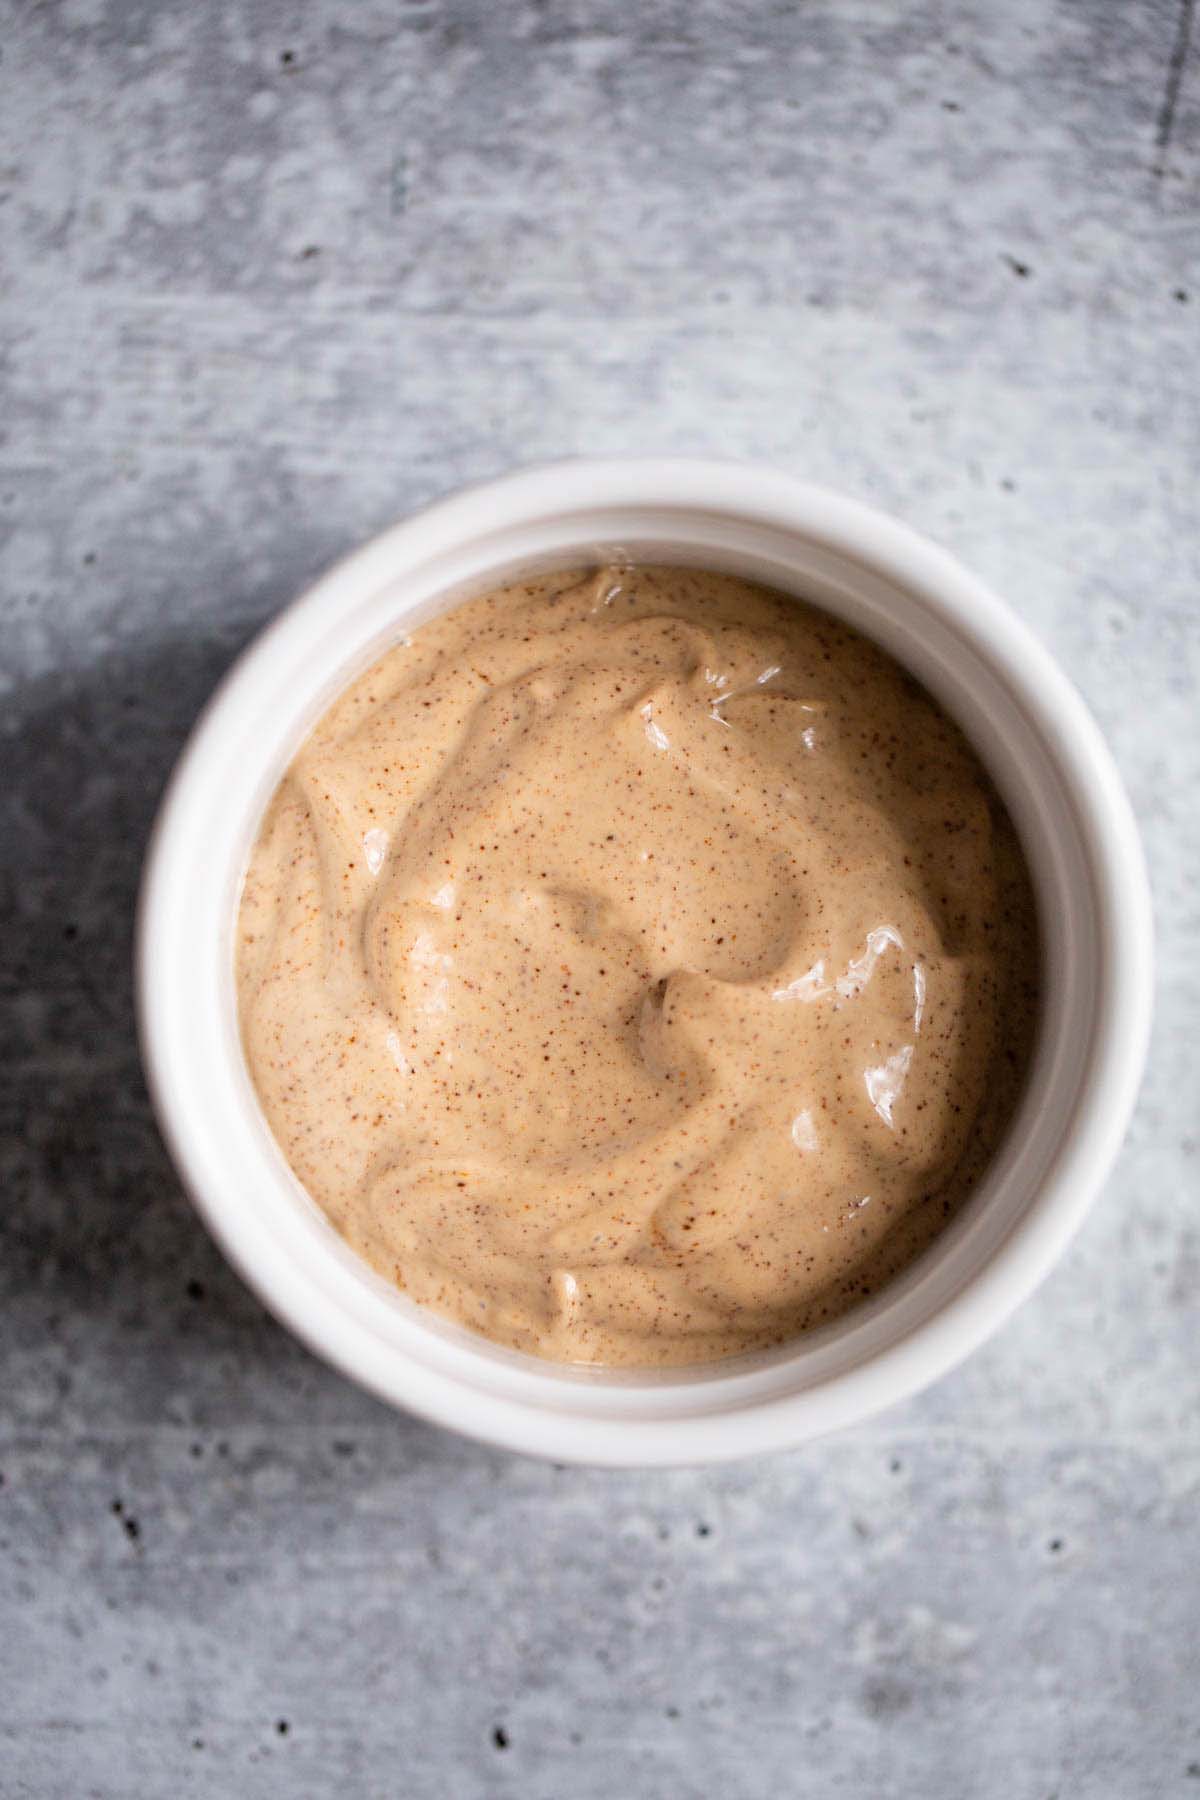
x=637 y=966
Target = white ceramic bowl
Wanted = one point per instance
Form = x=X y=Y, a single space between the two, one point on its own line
x=1048 y=760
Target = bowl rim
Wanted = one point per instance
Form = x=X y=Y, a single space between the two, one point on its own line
x=848 y=527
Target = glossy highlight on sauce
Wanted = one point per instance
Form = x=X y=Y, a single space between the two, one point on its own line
x=637 y=966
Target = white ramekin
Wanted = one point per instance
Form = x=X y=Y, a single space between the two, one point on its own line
x=1048 y=760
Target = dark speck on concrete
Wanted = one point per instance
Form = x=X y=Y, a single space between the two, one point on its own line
x=89 y=558
x=343 y=1447
x=195 y=1290
x=500 y=1738
x=133 y=1530
x=282 y=1727
x=309 y=251
x=951 y=106
x=287 y=59
x=1054 y=1546
x=1193 y=1770
x=197 y=1743
x=1018 y=268
x=1181 y=294
x=704 y=1531
x=884 y=1699
x=1008 y=484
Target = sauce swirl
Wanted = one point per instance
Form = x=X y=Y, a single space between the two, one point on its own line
x=637 y=966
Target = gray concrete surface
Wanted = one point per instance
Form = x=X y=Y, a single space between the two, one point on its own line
x=273 y=275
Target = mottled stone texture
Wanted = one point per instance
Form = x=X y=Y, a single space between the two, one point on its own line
x=271 y=276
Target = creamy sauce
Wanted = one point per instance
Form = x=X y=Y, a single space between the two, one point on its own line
x=637 y=966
